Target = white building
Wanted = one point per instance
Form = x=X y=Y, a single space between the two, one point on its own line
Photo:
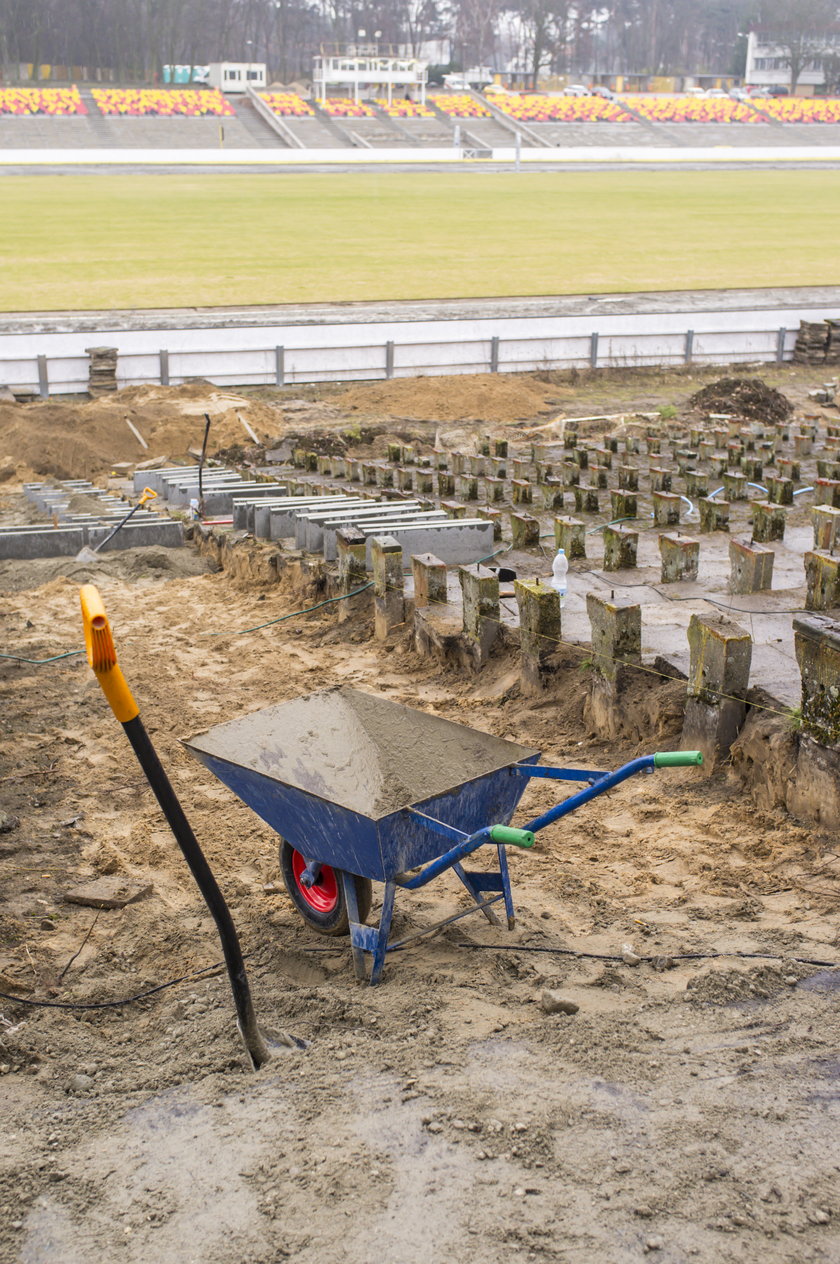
x=362 y=71
x=236 y=76
x=768 y=67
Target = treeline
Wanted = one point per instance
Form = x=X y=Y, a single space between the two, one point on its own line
x=135 y=38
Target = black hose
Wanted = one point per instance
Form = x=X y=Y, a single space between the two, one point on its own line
x=207 y=885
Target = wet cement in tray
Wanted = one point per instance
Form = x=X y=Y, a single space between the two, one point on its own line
x=362 y=752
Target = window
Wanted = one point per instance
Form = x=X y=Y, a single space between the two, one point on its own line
x=253 y=74
x=232 y=74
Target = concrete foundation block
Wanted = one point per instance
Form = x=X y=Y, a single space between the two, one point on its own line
x=352 y=569
x=405 y=479
x=457 y=462
x=768 y=521
x=162 y=533
x=788 y=468
x=666 y=509
x=714 y=514
x=680 y=558
x=587 y=499
x=540 y=631
x=551 y=494
x=620 y=548
x=696 y=483
x=445 y=483
x=623 y=504
x=570 y=535
x=752 y=469
x=779 y=490
x=41 y=542
x=454 y=509
x=491 y=515
x=388 y=586
x=599 y=476
x=825 y=521
x=751 y=567
x=828 y=492
x=429 y=575
x=482 y=614
x=521 y=491
x=817 y=644
x=734 y=486
x=822 y=576
x=660 y=479
x=500 y=448
x=494 y=490
x=718 y=679
x=616 y=634
x=424 y=483
x=466 y=487
x=580 y=456
x=525 y=531
x=570 y=474
x=628 y=478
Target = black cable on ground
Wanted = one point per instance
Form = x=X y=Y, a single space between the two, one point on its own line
x=669 y=956
x=129 y=1000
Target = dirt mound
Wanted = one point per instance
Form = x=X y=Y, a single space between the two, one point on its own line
x=743 y=397
x=478 y=397
x=141 y=564
x=81 y=440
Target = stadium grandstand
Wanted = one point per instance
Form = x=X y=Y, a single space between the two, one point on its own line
x=79 y=117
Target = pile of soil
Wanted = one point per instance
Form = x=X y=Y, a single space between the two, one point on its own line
x=84 y=439
x=743 y=397
x=481 y=397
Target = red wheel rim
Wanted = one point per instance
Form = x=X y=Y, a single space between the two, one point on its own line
x=322 y=896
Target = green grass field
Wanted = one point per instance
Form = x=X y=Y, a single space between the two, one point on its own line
x=78 y=242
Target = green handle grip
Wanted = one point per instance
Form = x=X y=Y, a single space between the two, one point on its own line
x=677 y=759
x=513 y=837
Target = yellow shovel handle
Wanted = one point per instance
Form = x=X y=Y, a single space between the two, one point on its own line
x=102 y=655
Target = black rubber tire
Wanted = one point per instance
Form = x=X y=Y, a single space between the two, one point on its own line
x=335 y=921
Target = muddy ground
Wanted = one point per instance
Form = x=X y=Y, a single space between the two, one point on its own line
x=687 y=1110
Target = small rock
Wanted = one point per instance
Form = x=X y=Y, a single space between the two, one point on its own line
x=8 y=822
x=555 y=1003
x=643 y=1211
x=654 y=1244
x=519 y=1192
x=108 y=893
x=80 y=1083
x=628 y=956
x=434 y=1127
x=791 y=980
x=820 y=1216
x=47 y=924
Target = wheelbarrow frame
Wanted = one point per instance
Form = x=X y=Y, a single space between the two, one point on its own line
x=375 y=939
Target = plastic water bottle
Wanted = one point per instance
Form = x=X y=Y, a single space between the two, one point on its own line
x=559 y=570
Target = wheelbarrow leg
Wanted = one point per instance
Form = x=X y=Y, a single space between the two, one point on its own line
x=504 y=874
x=348 y=882
x=384 y=930
x=469 y=882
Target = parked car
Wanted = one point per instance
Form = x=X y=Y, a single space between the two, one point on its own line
x=576 y=90
x=717 y=92
x=607 y=93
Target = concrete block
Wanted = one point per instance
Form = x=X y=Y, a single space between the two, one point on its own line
x=788 y=468
x=616 y=634
x=828 y=468
x=454 y=509
x=696 y=484
x=454 y=542
x=828 y=492
x=803 y=444
x=424 y=483
x=620 y=548
x=570 y=474
x=551 y=494
x=666 y=509
x=680 y=558
x=466 y=487
x=521 y=491
x=734 y=486
x=491 y=515
x=752 y=469
x=352 y=569
x=446 y=484
x=825 y=520
x=482 y=615
x=378 y=523
x=822 y=577
x=540 y=631
x=405 y=479
x=388 y=586
x=587 y=499
x=628 y=478
x=580 y=456
x=570 y=535
x=41 y=542
x=623 y=504
x=384 y=476
x=779 y=490
x=768 y=521
x=494 y=490
x=714 y=514
x=525 y=531
x=599 y=476
x=660 y=479
x=162 y=533
x=604 y=458
x=429 y=575
x=751 y=567
x=500 y=447
x=817 y=643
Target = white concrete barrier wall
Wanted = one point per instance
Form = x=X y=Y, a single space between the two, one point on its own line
x=358 y=352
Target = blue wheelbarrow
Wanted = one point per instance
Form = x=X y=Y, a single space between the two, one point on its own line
x=362 y=790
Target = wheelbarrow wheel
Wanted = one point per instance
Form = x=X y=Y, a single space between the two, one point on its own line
x=322 y=906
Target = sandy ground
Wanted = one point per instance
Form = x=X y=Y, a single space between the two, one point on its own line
x=687 y=1110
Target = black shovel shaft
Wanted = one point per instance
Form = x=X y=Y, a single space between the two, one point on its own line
x=120 y=524
x=207 y=885
x=201 y=463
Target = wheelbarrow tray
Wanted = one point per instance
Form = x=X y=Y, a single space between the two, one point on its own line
x=336 y=772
